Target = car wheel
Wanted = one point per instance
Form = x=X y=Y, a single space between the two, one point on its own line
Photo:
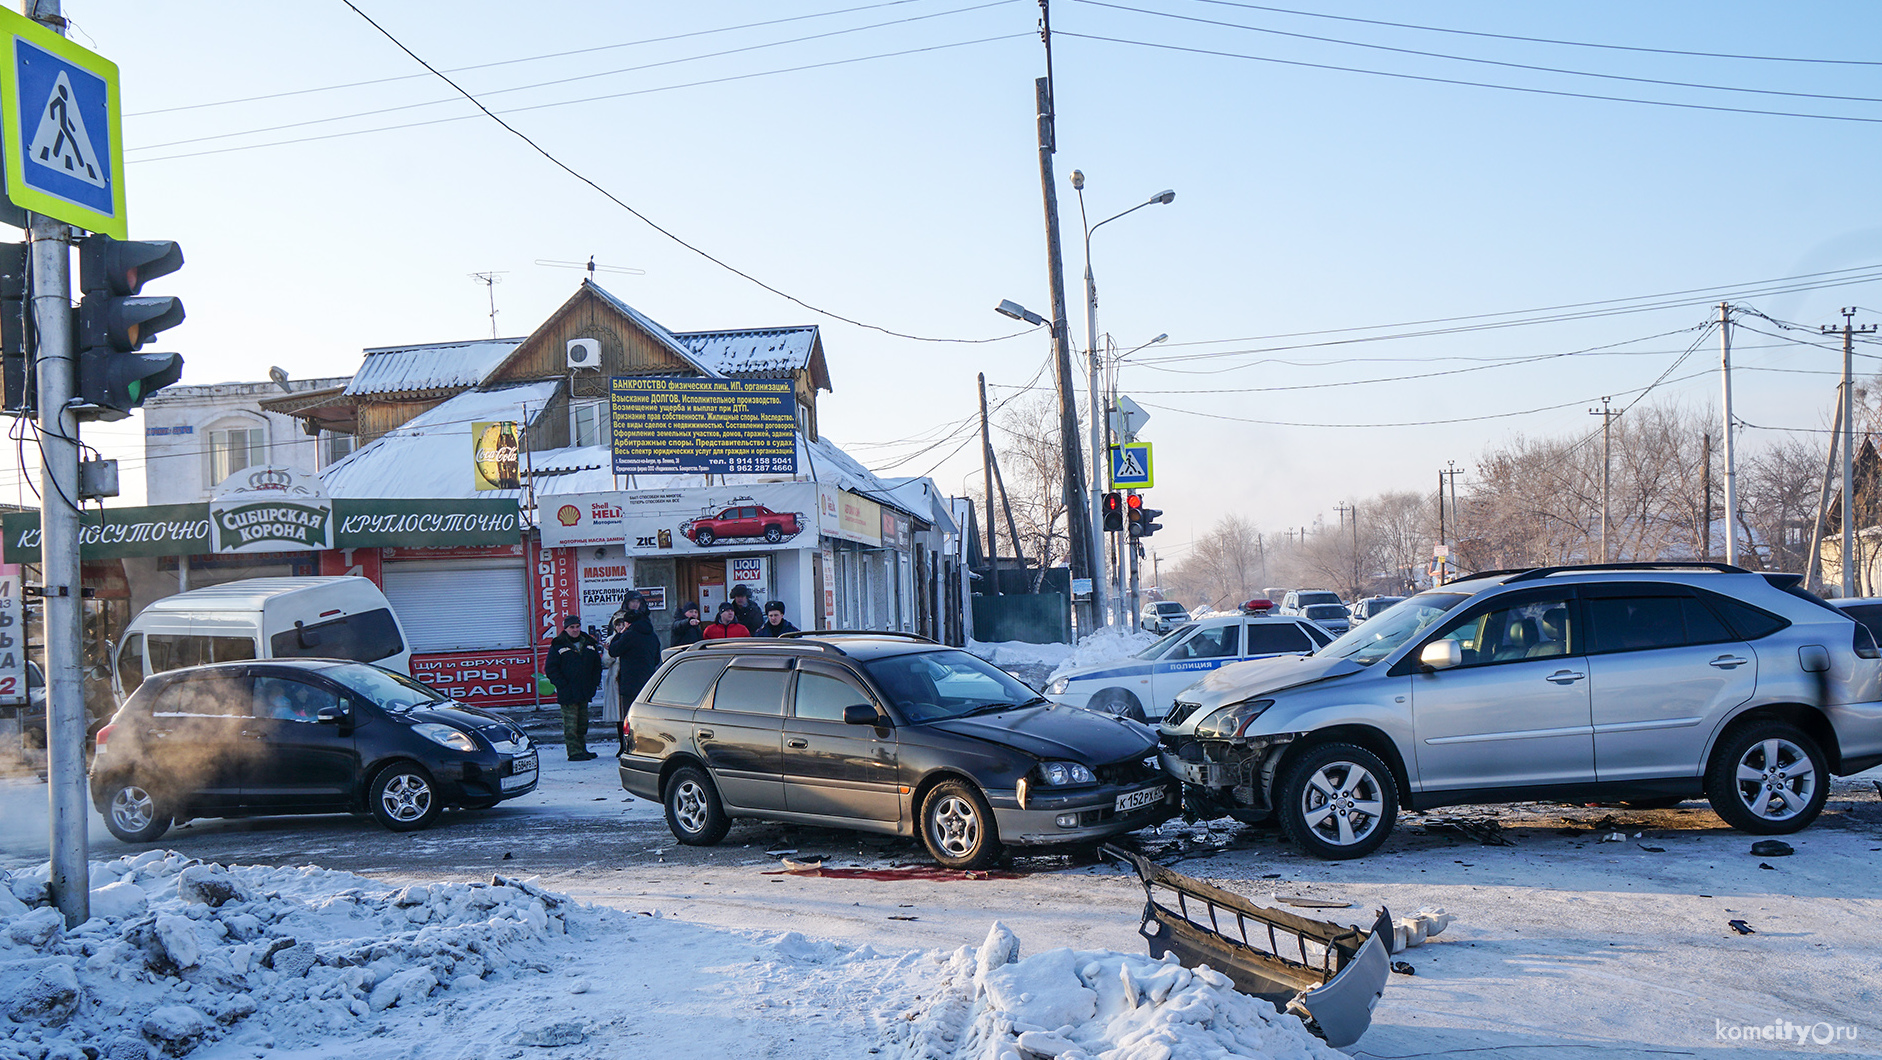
x=694 y=811
x=1337 y=801
x=133 y=814
x=774 y=534
x=957 y=826
x=705 y=536
x=1120 y=702
x=1768 y=779
x=404 y=798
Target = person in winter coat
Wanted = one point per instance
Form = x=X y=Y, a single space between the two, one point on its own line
x=690 y=629
x=774 y=624
x=574 y=667
x=728 y=624
x=748 y=614
x=638 y=648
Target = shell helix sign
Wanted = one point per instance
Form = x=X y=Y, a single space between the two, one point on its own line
x=270 y=509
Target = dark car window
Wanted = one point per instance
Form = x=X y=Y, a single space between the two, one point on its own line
x=1217 y=643
x=210 y=696
x=822 y=697
x=1320 y=637
x=1641 y=623
x=751 y=691
x=366 y=637
x=390 y=691
x=1532 y=628
x=932 y=685
x=1274 y=638
x=1750 y=622
x=286 y=699
x=685 y=685
x=170 y=651
x=131 y=662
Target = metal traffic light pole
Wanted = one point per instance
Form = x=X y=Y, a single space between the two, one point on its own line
x=51 y=268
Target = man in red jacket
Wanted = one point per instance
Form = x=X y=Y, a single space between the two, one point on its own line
x=728 y=624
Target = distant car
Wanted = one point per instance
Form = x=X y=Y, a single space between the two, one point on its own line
x=1297 y=601
x=1371 y=607
x=742 y=522
x=888 y=733
x=1143 y=686
x=1163 y=616
x=297 y=736
x=1331 y=617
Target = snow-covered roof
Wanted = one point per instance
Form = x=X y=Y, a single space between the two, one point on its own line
x=430 y=455
x=652 y=327
x=432 y=366
x=760 y=351
x=921 y=499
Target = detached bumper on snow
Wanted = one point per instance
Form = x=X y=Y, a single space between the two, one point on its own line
x=1330 y=975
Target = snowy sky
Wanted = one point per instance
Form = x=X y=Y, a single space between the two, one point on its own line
x=879 y=163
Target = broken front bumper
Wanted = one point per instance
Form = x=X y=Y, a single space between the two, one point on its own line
x=1330 y=975
x=1085 y=815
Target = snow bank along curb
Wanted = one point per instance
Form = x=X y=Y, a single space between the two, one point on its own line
x=1081 y=1005
x=1106 y=645
x=179 y=952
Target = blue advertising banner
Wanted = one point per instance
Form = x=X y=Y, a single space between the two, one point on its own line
x=663 y=425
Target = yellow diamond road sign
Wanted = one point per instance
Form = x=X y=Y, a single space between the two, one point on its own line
x=60 y=136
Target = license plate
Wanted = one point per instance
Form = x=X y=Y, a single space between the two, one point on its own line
x=1132 y=800
x=522 y=772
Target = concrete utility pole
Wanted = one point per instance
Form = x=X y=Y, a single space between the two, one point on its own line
x=1705 y=497
x=1815 y=563
x=50 y=256
x=1346 y=510
x=1731 y=464
x=1084 y=550
x=986 y=479
x=1848 y=411
x=1607 y=419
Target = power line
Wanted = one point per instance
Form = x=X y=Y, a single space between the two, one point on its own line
x=643 y=218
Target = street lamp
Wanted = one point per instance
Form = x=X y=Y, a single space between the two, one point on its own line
x=1010 y=308
x=1162 y=198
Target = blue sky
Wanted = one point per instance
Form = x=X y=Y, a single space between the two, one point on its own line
x=902 y=191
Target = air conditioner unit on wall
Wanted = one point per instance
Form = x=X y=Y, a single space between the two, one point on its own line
x=584 y=353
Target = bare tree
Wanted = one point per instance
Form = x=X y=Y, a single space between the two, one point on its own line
x=1026 y=444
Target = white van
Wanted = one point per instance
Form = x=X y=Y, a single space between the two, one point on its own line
x=262 y=618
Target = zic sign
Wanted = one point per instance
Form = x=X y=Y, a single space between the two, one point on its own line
x=59 y=115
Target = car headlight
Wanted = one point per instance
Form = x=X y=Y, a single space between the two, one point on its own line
x=1058 y=686
x=446 y=736
x=1059 y=774
x=1227 y=723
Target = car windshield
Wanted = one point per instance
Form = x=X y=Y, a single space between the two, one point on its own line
x=1163 y=643
x=1318 y=611
x=395 y=692
x=1170 y=609
x=1322 y=597
x=1383 y=633
x=936 y=685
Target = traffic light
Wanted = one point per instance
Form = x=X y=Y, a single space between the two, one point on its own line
x=1135 y=513
x=1149 y=525
x=114 y=322
x=1113 y=511
x=16 y=354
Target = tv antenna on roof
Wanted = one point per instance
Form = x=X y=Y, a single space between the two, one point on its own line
x=592 y=267
x=490 y=281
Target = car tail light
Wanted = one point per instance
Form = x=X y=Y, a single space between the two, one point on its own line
x=627 y=734
x=104 y=734
x=1864 y=643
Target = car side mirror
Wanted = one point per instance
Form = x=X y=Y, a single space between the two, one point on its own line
x=332 y=715
x=1441 y=655
x=861 y=714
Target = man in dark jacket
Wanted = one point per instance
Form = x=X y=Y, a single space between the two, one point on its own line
x=690 y=628
x=574 y=667
x=638 y=648
x=774 y=624
x=748 y=614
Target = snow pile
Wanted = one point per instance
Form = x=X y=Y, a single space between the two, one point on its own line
x=1094 y=1005
x=1018 y=654
x=178 y=953
x=1105 y=646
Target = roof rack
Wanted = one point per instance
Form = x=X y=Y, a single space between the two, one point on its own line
x=885 y=634
x=743 y=643
x=1534 y=573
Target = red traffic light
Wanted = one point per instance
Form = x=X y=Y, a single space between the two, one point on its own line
x=1136 y=502
x=1113 y=511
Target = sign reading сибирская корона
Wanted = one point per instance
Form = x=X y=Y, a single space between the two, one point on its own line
x=270 y=509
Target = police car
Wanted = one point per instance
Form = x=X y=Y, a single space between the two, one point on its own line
x=1143 y=686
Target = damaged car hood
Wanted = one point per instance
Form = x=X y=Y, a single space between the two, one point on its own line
x=1243 y=680
x=1058 y=732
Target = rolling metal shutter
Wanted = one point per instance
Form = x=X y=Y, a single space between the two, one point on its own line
x=460 y=605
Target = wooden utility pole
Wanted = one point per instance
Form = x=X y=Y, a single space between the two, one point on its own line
x=1607 y=419
x=1705 y=497
x=1814 y=563
x=986 y=477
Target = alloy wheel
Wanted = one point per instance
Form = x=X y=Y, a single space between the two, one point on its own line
x=132 y=808
x=1342 y=803
x=1775 y=779
x=954 y=825
x=407 y=797
x=689 y=805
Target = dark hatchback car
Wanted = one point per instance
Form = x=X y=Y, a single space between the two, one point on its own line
x=883 y=732
x=299 y=736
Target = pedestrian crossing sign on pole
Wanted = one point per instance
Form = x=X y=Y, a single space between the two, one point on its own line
x=62 y=145
x=1131 y=467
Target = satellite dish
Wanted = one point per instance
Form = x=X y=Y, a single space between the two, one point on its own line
x=280 y=379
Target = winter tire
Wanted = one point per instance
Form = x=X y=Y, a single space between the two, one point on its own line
x=404 y=798
x=957 y=826
x=1120 y=702
x=705 y=536
x=694 y=812
x=1337 y=801
x=774 y=534
x=1768 y=778
x=133 y=814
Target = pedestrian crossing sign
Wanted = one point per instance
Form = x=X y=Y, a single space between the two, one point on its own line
x=62 y=145
x=1131 y=467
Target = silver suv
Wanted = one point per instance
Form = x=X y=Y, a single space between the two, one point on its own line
x=1645 y=683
